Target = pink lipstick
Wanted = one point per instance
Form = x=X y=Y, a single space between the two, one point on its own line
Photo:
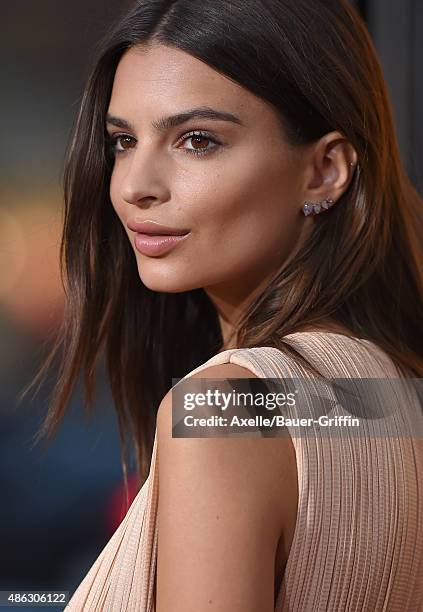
x=153 y=239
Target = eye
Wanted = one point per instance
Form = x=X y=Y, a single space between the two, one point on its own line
x=119 y=143
x=199 y=141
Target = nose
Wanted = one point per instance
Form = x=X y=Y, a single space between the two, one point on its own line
x=144 y=179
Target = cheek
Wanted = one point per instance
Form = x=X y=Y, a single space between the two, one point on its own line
x=114 y=195
x=243 y=208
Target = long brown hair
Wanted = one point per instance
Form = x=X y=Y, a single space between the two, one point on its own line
x=362 y=266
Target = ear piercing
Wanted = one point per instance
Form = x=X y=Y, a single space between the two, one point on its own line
x=310 y=208
x=315 y=208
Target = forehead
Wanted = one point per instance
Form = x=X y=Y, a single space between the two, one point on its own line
x=161 y=77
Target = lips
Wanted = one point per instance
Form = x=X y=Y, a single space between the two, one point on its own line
x=152 y=228
x=156 y=245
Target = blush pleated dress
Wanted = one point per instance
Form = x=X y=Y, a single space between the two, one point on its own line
x=358 y=540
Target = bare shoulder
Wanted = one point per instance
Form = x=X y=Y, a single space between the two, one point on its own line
x=224 y=370
x=220 y=512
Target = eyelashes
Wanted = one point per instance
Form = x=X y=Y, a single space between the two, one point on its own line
x=199 y=134
x=114 y=140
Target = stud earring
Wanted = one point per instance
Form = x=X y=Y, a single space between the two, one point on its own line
x=315 y=208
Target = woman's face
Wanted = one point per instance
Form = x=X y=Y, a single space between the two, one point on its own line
x=240 y=196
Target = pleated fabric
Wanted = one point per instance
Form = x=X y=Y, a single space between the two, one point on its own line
x=358 y=540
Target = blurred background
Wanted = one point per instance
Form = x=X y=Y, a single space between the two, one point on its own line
x=60 y=505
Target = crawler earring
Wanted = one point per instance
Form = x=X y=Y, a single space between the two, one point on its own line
x=315 y=208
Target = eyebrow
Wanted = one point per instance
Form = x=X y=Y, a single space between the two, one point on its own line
x=165 y=123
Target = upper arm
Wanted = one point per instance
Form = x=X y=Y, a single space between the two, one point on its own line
x=218 y=516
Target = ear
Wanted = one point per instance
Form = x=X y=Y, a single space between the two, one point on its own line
x=330 y=168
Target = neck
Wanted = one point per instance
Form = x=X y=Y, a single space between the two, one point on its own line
x=231 y=306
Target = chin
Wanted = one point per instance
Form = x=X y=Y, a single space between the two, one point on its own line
x=166 y=282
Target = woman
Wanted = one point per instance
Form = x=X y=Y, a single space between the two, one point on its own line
x=259 y=133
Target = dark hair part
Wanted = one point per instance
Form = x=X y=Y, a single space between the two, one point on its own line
x=313 y=60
